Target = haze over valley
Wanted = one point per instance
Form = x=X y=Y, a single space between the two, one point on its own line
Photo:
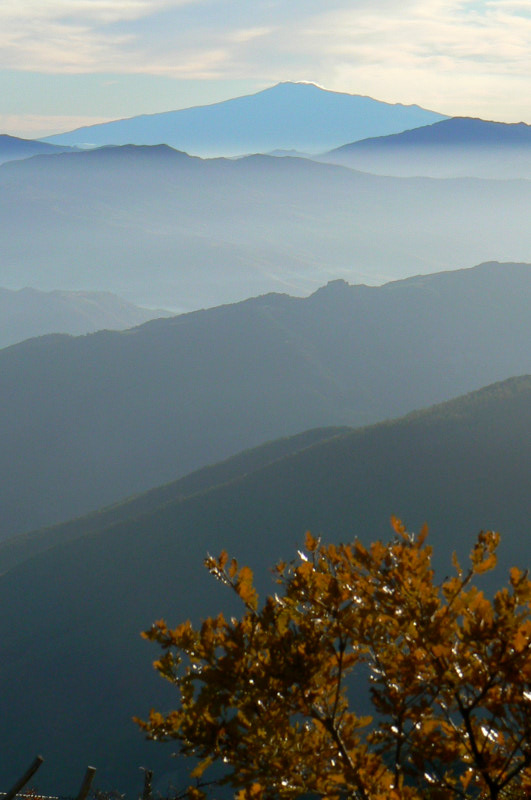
x=160 y=228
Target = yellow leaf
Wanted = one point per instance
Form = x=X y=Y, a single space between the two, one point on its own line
x=516 y=576
x=423 y=534
x=486 y=565
x=201 y=767
x=311 y=543
x=441 y=650
x=397 y=526
x=246 y=575
x=521 y=640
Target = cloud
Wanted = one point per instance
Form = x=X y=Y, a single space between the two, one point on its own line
x=459 y=56
x=72 y=35
x=456 y=56
x=512 y=7
x=90 y=11
x=248 y=34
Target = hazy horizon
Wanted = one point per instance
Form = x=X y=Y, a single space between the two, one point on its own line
x=64 y=66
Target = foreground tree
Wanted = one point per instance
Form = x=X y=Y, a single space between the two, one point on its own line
x=272 y=695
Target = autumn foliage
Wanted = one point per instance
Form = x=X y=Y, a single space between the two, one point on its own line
x=272 y=695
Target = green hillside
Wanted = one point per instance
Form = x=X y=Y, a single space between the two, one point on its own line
x=70 y=649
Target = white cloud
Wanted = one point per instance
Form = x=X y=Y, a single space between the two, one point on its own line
x=248 y=34
x=72 y=35
x=97 y=11
x=460 y=56
x=513 y=7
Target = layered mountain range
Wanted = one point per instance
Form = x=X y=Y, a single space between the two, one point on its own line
x=88 y=420
x=12 y=148
x=289 y=115
x=163 y=229
x=141 y=219
x=365 y=377
x=452 y=148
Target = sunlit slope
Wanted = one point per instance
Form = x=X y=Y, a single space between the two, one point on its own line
x=69 y=648
x=87 y=421
x=165 y=230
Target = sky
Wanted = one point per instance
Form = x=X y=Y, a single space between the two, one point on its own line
x=67 y=63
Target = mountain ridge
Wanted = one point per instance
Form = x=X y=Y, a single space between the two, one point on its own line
x=14 y=148
x=236 y=468
x=283 y=116
x=27 y=545
x=77 y=609
x=456 y=147
x=75 y=433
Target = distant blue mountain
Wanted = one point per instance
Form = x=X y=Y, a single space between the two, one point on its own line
x=457 y=147
x=298 y=116
x=12 y=148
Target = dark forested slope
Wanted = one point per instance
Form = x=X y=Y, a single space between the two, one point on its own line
x=25 y=545
x=70 y=649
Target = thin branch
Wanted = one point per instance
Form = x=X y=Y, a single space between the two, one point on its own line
x=342 y=646
x=345 y=755
x=518 y=767
x=478 y=755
